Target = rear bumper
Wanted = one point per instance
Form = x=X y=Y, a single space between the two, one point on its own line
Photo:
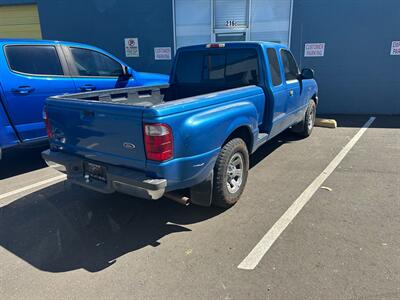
x=118 y=178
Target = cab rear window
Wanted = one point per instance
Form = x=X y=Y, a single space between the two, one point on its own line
x=224 y=68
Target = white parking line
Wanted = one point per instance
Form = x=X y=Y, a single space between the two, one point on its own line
x=34 y=185
x=255 y=256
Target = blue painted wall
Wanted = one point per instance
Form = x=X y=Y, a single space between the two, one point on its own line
x=357 y=74
x=14 y=2
x=105 y=23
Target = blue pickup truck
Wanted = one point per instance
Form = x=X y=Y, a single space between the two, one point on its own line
x=32 y=70
x=191 y=137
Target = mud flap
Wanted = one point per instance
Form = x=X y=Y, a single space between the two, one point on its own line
x=201 y=194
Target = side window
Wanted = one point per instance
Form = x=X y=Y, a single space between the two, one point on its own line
x=289 y=65
x=274 y=67
x=34 y=59
x=92 y=63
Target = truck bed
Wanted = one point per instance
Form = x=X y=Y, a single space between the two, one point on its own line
x=132 y=96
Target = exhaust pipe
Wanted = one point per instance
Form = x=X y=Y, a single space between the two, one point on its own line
x=178 y=198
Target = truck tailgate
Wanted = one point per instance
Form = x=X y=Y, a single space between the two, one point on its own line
x=98 y=131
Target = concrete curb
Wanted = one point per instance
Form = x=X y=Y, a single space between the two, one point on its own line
x=328 y=123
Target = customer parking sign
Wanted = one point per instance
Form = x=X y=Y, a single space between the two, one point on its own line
x=395 y=48
x=314 y=50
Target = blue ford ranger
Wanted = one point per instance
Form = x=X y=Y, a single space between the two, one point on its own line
x=32 y=70
x=193 y=135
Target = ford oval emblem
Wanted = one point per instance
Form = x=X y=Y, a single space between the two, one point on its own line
x=129 y=146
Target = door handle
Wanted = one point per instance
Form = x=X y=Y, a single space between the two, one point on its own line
x=87 y=88
x=23 y=90
x=291 y=93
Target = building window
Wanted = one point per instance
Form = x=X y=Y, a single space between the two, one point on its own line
x=192 y=22
x=270 y=20
x=230 y=37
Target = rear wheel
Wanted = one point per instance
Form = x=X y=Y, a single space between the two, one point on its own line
x=305 y=127
x=230 y=173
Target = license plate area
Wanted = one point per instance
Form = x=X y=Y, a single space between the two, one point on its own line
x=94 y=171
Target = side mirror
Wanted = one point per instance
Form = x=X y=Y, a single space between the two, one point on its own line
x=126 y=73
x=307 y=74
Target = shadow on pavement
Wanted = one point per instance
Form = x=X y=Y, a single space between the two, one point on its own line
x=269 y=147
x=16 y=162
x=63 y=228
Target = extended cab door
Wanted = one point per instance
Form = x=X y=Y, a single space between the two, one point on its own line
x=31 y=74
x=292 y=84
x=92 y=70
x=278 y=89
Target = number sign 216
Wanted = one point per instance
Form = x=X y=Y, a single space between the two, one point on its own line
x=231 y=23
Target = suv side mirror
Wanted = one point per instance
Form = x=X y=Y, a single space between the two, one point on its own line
x=307 y=73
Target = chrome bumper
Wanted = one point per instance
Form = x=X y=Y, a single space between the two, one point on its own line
x=119 y=179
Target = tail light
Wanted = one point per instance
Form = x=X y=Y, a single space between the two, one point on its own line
x=47 y=123
x=158 y=142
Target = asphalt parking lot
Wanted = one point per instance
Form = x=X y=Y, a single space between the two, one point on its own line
x=63 y=242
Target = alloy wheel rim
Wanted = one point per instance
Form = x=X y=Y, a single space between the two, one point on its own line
x=311 y=118
x=234 y=173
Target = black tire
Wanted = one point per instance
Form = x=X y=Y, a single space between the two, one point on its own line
x=306 y=127
x=222 y=195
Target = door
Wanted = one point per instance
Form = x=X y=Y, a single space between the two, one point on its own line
x=34 y=73
x=19 y=21
x=279 y=92
x=92 y=70
x=291 y=74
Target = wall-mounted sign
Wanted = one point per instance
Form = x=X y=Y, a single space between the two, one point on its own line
x=162 y=53
x=314 y=50
x=395 y=48
x=131 y=47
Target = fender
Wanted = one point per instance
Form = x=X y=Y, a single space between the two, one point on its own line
x=310 y=91
x=216 y=125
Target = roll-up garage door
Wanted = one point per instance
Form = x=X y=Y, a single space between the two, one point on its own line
x=19 y=21
x=231 y=13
